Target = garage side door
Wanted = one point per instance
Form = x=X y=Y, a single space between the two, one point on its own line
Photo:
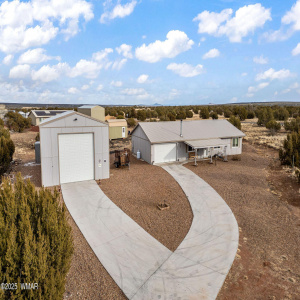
x=76 y=157
x=164 y=153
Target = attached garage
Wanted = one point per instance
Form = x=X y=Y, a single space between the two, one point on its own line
x=164 y=152
x=74 y=147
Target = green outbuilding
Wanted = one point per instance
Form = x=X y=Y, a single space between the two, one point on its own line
x=117 y=129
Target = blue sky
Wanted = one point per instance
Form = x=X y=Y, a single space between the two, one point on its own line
x=149 y=51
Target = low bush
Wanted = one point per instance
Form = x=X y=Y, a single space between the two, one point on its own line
x=16 y=122
x=35 y=241
x=214 y=115
x=289 y=154
x=131 y=122
x=235 y=121
x=7 y=149
x=273 y=126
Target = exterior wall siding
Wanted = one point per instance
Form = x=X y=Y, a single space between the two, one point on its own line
x=139 y=141
x=182 y=154
x=49 y=148
x=116 y=132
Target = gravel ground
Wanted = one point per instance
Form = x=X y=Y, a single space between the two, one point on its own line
x=137 y=192
x=267 y=265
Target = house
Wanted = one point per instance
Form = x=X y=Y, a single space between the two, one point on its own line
x=94 y=111
x=37 y=116
x=160 y=142
x=117 y=128
x=74 y=147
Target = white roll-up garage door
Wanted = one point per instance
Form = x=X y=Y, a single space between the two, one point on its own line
x=76 y=157
x=164 y=152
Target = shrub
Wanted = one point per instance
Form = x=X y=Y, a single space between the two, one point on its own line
x=290 y=149
x=35 y=241
x=250 y=115
x=141 y=115
x=204 y=113
x=227 y=113
x=235 y=121
x=189 y=114
x=1 y=123
x=171 y=117
x=273 y=126
x=131 y=122
x=120 y=117
x=16 y=122
x=7 y=149
x=214 y=115
x=293 y=125
x=181 y=115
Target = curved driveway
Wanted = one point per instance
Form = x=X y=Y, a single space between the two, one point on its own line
x=142 y=267
x=198 y=267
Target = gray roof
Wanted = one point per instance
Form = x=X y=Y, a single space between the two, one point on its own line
x=162 y=132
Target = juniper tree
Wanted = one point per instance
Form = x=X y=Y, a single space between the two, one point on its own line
x=35 y=241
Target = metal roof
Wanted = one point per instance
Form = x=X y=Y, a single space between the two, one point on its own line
x=67 y=113
x=163 y=132
x=205 y=143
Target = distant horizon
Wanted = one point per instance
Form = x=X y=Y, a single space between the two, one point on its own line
x=131 y=52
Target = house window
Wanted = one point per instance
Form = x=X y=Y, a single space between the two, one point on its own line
x=235 y=142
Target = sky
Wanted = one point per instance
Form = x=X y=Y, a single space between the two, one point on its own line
x=181 y=52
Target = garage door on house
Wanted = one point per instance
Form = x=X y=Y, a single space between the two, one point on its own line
x=76 y=157
x=164 y=152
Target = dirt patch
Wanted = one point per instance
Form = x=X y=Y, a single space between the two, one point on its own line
x=260 y=135
x=138 y=190
x=267 y=263
x=24 y=157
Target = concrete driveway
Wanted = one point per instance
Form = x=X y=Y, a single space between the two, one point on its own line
x=198 y=267
x=142 y=267
x=126 y=250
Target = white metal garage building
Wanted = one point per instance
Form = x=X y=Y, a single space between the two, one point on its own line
x=160 y=142
x=74 y=147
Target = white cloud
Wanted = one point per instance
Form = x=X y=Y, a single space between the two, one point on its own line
x=176 y=43
x=116 y=83
x=246 y=20
x=296 y=51
x=30 y=24
x=125 y=50
x=20 y=71
x=260 y=60
x=7 y=60
x=119 y=11
x=35 y=56
x=102 y=55
x=249 y=95
x=185 y=70
x=211 y=54
x=233 y=100
x=271 y=74
x=294 y=85
x=118 y=64
x=142 y=78
x=99 y=87
x=85 y=87
x=73 y=90
x=89 y=69
x=253 y=89
x=292 y=17
x=244 y=74
x=46 y=74
x=132 y=91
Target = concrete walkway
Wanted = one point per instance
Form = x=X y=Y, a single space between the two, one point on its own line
x=198 y=267
x=126 y=250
